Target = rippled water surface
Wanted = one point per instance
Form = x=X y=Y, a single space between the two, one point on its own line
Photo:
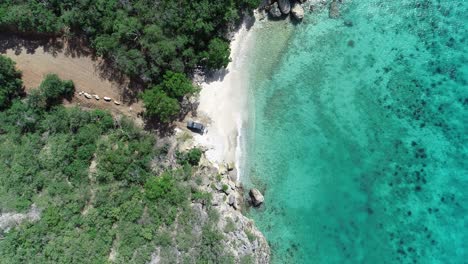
x=359 y=134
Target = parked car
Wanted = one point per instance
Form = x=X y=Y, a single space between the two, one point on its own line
x=196 y=127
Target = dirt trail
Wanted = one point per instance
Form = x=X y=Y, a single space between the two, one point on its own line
x=36 y=60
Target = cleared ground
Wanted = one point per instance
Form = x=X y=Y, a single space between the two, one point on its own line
x=36 y=58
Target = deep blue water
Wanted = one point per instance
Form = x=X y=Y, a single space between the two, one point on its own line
x=359 y=135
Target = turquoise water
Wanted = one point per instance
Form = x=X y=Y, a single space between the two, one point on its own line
x=359 y=135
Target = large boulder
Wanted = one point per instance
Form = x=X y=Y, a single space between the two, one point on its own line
x=334 y=11
x=256 y=197
x=297 y=11
x=275 y=12
x=284 y=6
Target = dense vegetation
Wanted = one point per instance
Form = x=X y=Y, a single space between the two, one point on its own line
x=143 y=39
x=10 y=82
x=163 y=100
x=94 y=179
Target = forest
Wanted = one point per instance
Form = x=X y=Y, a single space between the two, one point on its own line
x=143 y=39
x=99 y=182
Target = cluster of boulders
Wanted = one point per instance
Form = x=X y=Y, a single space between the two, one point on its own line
x=95 y=96
x=227 y=199
x=278 y=8
x=281 y=8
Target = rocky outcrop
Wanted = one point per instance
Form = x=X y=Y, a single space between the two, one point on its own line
x=297 y=11
x=298 y=8
x=10 y=220
x=256 y=197
x=284 y=6
x=274 y=11
x=241 y=237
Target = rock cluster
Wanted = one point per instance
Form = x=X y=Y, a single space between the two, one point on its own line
x=278 y=8
x=227 y=198
x=296 y=8
x=89 y=96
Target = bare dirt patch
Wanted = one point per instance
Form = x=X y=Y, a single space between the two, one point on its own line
x=71 y=61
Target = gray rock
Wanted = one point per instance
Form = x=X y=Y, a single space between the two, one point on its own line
x=284 y=6
x=218 y=186
x=217 y=199
x=231 y=200
x=233 y=175
x=256 y=197
x=199 y=212
x=230 y=166
x=334 y=11
x=297 y=11
x=274 y=10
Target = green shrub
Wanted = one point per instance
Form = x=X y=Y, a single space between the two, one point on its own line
x=202 y=197
x=159 y=105
x=250 y=236
x=10 y=82
x=191 y=157
x=54 y=89
x=230 y=225
x=176 y=85
x=217 y=55
x=165 y=189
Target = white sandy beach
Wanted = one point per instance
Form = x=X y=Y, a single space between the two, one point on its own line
x=223 y=104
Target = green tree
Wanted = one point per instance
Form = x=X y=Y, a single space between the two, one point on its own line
x=218 y=53
x=10 y=82
x=192 y=157
x=54 y=89
x=165 y=190
x=158 y=104
x=177 y=85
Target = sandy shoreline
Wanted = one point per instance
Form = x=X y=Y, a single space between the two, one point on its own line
x=223 y=104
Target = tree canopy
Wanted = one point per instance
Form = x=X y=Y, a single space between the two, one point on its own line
x=158 y=104
x=54 y=89
x=176 y=85
x=10 y=82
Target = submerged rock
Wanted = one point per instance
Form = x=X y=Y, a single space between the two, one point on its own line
x=275 y=11
x=297 y=11
x=334 y=11
x=284 y=6
x=256 y=196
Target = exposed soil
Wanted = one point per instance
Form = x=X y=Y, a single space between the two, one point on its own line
x=71 y=61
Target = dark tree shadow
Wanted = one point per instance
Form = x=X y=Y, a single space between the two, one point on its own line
x=163 y=129
x=29 y=44
x=216 y=76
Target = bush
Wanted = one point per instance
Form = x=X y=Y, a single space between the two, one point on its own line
x=176 y=85
x=10 y=82
x=164 y=189
x=54 y=89
x=159 y=105
x=192 y=157
x=217 y=55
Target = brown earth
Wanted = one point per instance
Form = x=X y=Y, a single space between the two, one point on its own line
x=36 y=58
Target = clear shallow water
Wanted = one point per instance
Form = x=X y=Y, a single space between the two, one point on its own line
x=359 y=135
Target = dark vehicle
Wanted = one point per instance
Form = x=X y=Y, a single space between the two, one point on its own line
x=196 y=127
